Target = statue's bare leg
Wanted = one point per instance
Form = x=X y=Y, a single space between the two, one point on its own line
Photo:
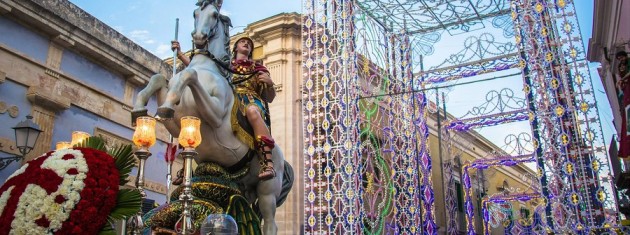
x=263 y=137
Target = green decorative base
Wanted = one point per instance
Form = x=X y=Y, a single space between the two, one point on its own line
x=215 y=192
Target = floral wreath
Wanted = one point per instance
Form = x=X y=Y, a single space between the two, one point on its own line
x=70 y=191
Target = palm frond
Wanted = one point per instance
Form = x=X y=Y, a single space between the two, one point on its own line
x=107 y=229
x=93 y=142
x=129 y=202
x=125 y=161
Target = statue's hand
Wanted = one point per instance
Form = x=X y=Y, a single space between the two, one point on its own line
x=176 y=47
x=265 y=78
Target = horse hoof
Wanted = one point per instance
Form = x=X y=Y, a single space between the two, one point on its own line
x=164 y=113
x=136 y=114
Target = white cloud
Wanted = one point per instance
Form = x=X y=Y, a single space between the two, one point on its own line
x=163 y=51
x=140 y=35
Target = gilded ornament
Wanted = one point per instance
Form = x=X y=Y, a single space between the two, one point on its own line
x=573 y=53
x=539 y=7
x=327 y=147
x=561 y=3
x=601 y=196
x=567 y=27
x=548 y=57
x=578 y=79
x=370 y=183
x=555 y=83
x=569 y=168
x=324 y=59
x=559 y=111
x=584 y=107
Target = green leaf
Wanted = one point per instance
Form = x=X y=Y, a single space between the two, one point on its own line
x=129 y=202
x=125 y=161
x=107 y=229
x=93 y=142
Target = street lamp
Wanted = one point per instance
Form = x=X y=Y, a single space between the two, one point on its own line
x=26 y=134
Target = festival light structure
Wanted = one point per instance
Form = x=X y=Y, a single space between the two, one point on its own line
x=375 y=60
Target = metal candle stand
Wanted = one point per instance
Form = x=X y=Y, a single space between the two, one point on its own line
x=186 y=197
x=135 y=223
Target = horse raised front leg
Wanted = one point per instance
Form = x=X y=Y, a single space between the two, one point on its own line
x=175 y=91
x=209 y=103
x=156 y=83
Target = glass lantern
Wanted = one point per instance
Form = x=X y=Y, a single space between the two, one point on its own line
x=144 y=136
x=190 y=133
x=63 y=145
x=78 y=137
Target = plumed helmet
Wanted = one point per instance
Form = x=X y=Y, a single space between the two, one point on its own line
x=251 y=43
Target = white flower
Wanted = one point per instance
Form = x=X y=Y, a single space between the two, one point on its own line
x=35 y=202
x=18 y=172
x=4 y=198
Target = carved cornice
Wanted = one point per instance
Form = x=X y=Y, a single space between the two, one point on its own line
x=39 y=96
x=63 y=40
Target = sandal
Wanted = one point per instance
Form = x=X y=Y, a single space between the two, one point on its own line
x=266 y=169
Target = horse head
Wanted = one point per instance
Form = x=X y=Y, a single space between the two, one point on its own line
x=206 y=23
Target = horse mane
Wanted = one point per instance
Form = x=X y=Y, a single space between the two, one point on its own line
x=204 y=3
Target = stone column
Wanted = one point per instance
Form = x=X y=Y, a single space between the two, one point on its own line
x=43 y=111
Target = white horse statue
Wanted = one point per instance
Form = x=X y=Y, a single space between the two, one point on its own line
x=203 y=90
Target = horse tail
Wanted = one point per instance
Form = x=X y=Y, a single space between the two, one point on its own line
x=287 y=183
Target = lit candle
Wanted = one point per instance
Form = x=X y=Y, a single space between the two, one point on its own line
x=190 y=133
x=63 y=145
x=78 y=137
x=144 y=136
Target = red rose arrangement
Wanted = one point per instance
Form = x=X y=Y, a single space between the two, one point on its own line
x=69 y=191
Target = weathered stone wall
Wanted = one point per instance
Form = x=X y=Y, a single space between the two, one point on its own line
x=71 y=72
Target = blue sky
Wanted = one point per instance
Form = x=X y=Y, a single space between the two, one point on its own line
x=151 y=24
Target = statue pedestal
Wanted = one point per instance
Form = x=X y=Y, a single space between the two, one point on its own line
x=215 y=191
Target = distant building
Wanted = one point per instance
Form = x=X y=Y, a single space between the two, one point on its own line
x=73 y=72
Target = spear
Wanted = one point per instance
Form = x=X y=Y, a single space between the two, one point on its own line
x=169 y=157
x=175 y=51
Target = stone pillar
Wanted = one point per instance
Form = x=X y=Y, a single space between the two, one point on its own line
x=46 y=120
x=43 y=111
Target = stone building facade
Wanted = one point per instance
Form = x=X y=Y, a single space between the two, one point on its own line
x=71 y=72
